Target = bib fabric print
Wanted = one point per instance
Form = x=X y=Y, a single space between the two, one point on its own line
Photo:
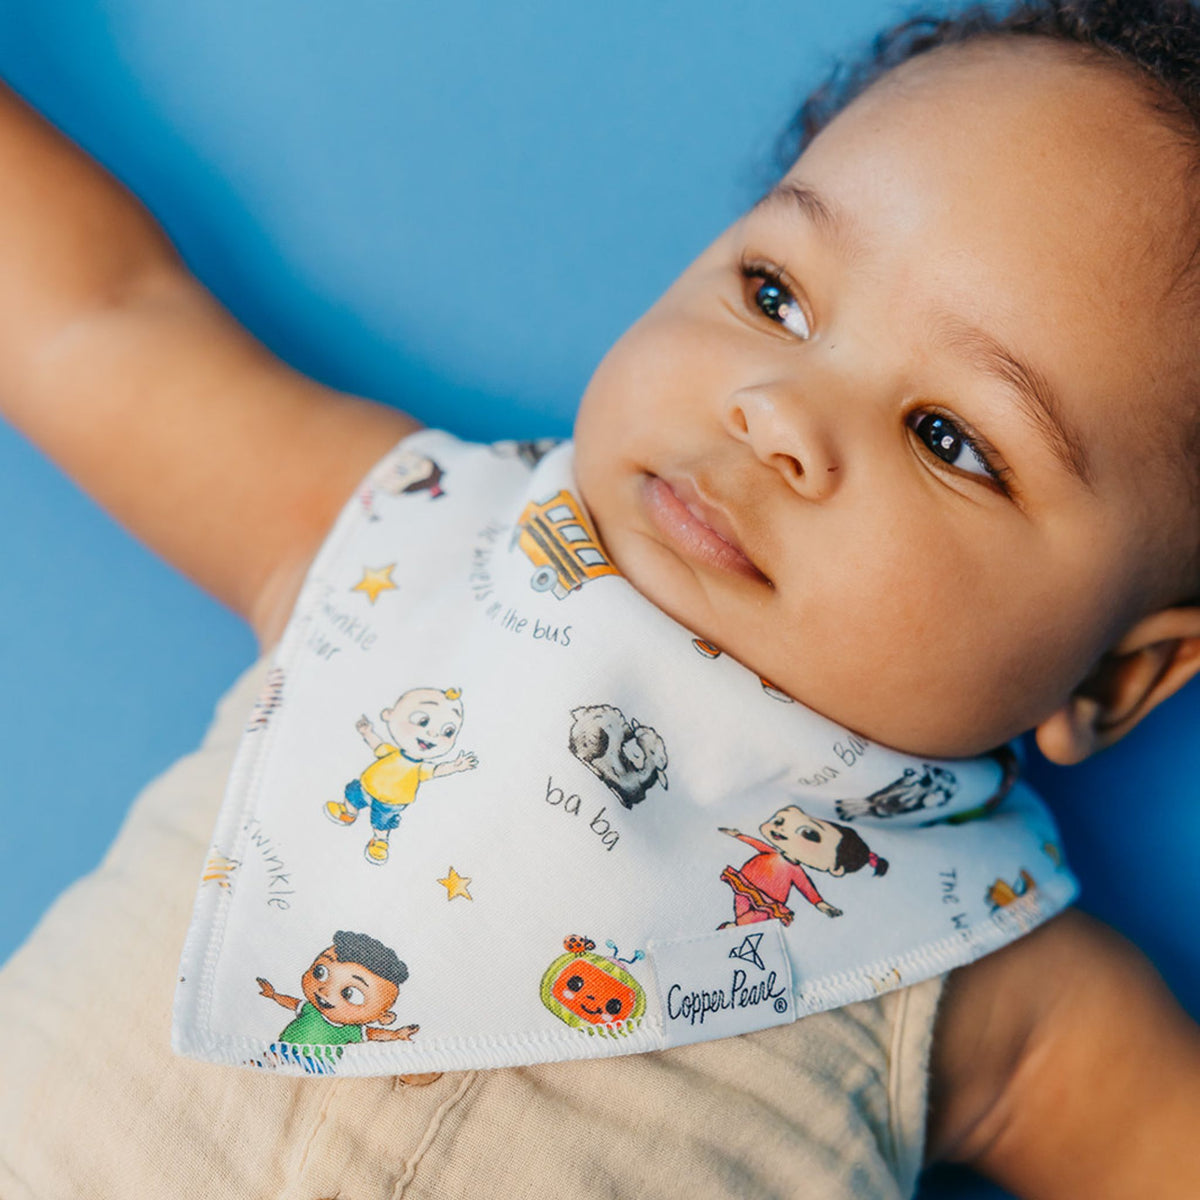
x=495 y=808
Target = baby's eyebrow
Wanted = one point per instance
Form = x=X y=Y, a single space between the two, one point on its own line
x=1036 y=397
x=823 y=213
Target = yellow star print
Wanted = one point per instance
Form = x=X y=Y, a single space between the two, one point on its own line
x=375 y=580
x=456 y=885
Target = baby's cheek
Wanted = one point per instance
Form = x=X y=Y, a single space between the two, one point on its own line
x=884 y=637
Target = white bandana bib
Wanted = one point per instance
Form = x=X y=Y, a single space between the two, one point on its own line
x=495 y=808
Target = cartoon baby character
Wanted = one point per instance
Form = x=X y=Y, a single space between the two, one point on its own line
x=349 y=991
x=793 y=841
x=423 y=725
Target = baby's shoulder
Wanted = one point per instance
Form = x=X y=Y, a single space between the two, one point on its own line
x=1044 y=1048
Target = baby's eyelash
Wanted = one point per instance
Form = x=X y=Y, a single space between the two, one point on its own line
x=753 y=269
x=761 y=268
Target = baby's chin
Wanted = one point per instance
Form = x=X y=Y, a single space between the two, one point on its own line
x=933 y=711
x=926 y=718
x=954 y=728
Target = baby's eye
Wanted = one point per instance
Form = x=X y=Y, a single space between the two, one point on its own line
x=449 y=731
x=320 y=974
x=420 y=719
x=810 y=835
x=951 y=445
x=353 y=995
x=780 y=306
x=775 y=299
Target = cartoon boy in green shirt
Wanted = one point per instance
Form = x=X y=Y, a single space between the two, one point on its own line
x=349 y=987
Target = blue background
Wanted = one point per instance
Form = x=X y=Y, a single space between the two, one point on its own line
x=455 y=209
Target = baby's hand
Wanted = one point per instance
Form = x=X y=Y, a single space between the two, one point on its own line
x=466 y=761
x=731 y=832
x=265 y=989
x=363 y=725
x=405 y=1032
x=829 y=910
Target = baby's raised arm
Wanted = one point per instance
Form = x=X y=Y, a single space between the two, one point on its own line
x=125 y=371
x=1063 y=1067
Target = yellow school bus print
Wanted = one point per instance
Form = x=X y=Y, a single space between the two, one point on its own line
x=557 y=538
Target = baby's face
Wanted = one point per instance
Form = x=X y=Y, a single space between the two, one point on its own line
x=905 y=438
x=424 y=723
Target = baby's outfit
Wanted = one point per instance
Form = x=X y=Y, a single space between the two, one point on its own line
x=95 y=1106
x=464 y=768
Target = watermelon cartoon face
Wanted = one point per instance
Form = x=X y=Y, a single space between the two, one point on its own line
x=591 y=992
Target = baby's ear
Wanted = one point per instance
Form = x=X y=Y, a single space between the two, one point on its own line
x=1151 y=662
x=386 y=1018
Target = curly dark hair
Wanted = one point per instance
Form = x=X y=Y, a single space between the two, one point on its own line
x=1155 y=42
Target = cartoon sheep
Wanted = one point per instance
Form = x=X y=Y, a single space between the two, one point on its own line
x=630 y=758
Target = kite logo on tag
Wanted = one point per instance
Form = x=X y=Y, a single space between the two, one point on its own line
x=747 y=951
x=726 y=983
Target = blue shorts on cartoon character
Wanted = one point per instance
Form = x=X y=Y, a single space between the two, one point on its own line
x=422 y=725
x=384 y=817
x=630 y=758
x=930 y=788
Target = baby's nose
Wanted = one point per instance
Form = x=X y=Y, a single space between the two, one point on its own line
x=785 y=435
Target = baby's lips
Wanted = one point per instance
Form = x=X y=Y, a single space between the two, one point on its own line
x=701 y=528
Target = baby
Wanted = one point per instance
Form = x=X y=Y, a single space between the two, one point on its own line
x=939 y=339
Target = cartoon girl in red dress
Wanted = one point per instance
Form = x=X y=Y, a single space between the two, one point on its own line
x=793 y=841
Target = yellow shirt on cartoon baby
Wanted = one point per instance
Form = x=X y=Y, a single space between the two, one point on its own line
x=392 y=777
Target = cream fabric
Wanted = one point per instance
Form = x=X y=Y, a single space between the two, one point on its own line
x=94 y=1105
